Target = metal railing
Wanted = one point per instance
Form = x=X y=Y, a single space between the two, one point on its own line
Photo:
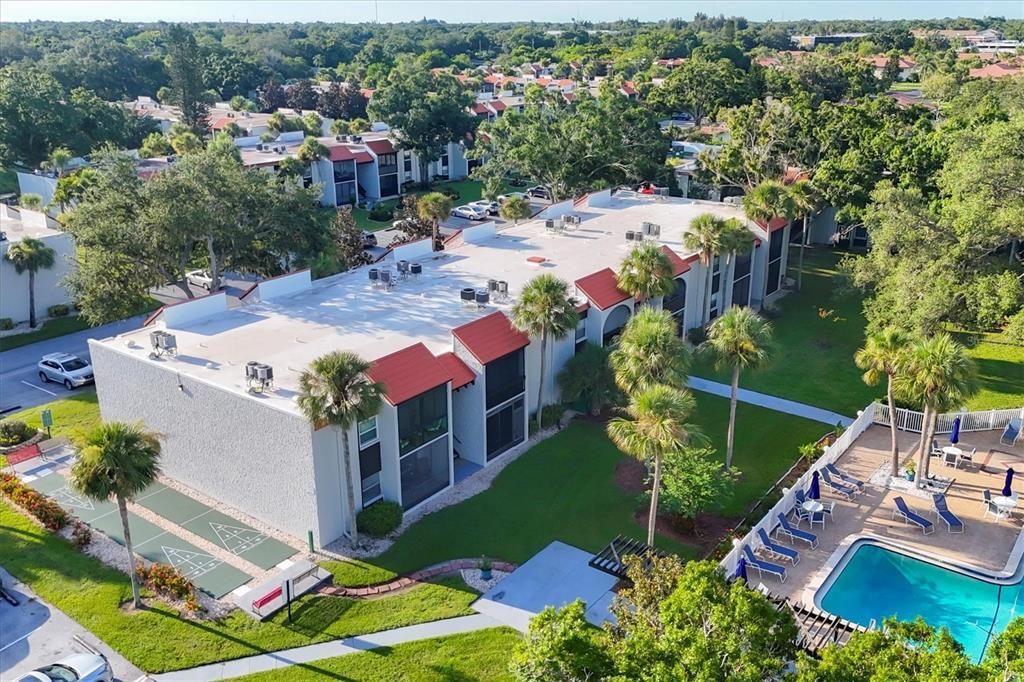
x=912 y=420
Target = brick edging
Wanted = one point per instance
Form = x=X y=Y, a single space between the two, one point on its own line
x=420 y=576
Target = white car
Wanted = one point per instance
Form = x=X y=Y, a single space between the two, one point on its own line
x=77 y=668
x=469 y=212
x=200 y=278
x=64 y=368
x=502 y=198
x=492 y=207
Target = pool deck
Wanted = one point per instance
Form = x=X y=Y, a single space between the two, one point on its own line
x=986 y=544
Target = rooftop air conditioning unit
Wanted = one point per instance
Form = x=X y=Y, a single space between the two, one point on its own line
x=162 y=343
x=259 y=377
x=651 y=229
x=259 y=146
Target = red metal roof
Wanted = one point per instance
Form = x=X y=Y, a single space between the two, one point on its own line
x=409 y=372
x=491 y=337
x=497 y=105
x=601 y=289
x=343 y=153
x=774 y=224
x=459 y=371
x=679 y=264
x=382 y=146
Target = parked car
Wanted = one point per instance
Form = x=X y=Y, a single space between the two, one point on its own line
x=77 y=668
x=370 y=239
x=502 y=198
x=469 y=212
x=64 y=368
x=492 y=207
x=540 y=192
x=682 y=116
x=200 y=278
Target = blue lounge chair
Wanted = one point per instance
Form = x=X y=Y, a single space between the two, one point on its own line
x=942 y=512
x=1011 y=433
x=777 y=550
x=763 y=566
x=910 y=516
x=796 y=533
x=845 y=477
x=839 y=487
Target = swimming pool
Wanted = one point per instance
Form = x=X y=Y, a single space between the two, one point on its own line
x=875 y=582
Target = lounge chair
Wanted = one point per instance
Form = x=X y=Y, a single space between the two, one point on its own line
x=837 y=486
x=776 y=550
x=763 y=566
x=795 y=533
x=991 y=507
x=1011 y=433
x=845 y=477
x=942 y=512
x=910 y=516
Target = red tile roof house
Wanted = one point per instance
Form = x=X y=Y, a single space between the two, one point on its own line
x=459 y=381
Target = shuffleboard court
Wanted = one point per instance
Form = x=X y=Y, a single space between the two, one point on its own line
x=217 y=527
x=150 y=541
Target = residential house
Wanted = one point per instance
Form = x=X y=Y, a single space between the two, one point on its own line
x=17 y=224
x=907 y=67
x=997 y=70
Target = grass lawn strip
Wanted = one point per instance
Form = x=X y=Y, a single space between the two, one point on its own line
x=482 y=655
x=73 y=417
x=59 y=326
x=158 y=640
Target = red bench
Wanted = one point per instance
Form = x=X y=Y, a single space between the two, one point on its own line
x=259 y=603
x=23 y=454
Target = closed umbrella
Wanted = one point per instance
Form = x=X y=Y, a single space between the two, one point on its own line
x=954 y=435
x=815 y=492
x=741 y=569
x=1009 y=480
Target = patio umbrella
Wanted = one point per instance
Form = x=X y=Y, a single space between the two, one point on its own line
x=741 y=569
x=954 y=435
x=1009 y=480
x=815 y=492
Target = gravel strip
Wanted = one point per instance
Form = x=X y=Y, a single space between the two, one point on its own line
x=471 y=576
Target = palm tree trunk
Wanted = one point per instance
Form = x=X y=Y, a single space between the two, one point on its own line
x=351 y=490
x=800 y=264
x=732 y=415
x=894 y=452
x=933 y=417
x=652 y=515
x=540 y=388
x=433 y=238
x=122 y=509
x=32 y=298
x=707 y=291
x=925 y=449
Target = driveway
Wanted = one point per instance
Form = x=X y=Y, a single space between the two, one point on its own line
x=234 y=286
x=34 y=634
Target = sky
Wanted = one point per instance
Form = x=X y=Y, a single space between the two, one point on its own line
x=468 y=11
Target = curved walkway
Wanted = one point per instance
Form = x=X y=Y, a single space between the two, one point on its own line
x=771 y=402
x=422 y=575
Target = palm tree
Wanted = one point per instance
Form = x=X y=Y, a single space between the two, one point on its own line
x=650 y=352
x=311 y=150
x=656 y=425
x=884 y=355
x=120 y=461
x=434 y=207
x=646 y=273
x=941 y=376
x=31 y=201
x=31 y=255
x=804 y=200
x=515 y=209
x=334 y=390
x=59 y=160
x=738 y=339
x=768 y=200
x=710 y=235
x=546 y=310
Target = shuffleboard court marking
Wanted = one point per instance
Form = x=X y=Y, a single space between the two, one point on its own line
x=66 y=497
x=235 y=539
x=191 y=564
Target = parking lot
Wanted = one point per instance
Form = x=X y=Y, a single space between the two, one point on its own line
x=453 y=224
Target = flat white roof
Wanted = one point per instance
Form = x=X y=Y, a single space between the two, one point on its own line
x=19 y=223
x=344 y=312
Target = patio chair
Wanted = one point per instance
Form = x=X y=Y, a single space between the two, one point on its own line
x=837 y=486
x=811 y=517
x=762 y=566
x=991 y=507
x=942 y=512
x=795 y=533
x=910 y=516
x=845 y=477
x=1011 y=433
x=950 y=459
x=966 y=457
x=936 y=451
x=776 y=550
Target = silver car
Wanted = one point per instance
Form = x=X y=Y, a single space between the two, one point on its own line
x=470 y=212
x=77 y=668
x=64 y=368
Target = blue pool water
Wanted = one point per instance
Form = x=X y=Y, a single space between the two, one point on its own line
x=877 y=583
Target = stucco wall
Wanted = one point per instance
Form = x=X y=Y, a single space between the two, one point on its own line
x=49 y=285
x=230 y=447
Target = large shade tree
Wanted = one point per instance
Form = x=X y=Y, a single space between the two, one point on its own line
x=335 y=391
x=118 y=461
x=545 y=310
x=31 y=255
x=884 y=356
x=737 y=340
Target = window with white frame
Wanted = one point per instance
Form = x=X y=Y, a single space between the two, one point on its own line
x=367 y=432
x=741 y=279
x=775 y=248
x=581 y=332
x=716 y=286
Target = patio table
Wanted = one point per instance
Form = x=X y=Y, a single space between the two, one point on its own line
x=1005 y=503
x=812 y=506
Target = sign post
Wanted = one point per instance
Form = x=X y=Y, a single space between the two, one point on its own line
x=47 y=417
x=286 y=592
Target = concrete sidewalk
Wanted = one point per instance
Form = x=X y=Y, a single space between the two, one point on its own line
x=307 y=655
x=771 y=402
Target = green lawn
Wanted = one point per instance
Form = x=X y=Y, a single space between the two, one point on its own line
x=73 y=416
x=158 y=640
x=817 y=334
x=900 y=86
x=481 y=656
x=59 y=326
x=8 y=180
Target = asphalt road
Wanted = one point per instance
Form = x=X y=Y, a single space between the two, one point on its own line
x=20 y=386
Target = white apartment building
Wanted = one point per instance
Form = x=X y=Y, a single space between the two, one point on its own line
x=459 y=381
x=17 y=224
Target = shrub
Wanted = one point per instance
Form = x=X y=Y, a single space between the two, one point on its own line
x=48 y=512
x=14 y=432
x=81 y=535
x=452 y=194
x=59 y=310
x=165 y=580
x=379 y=519
x=588 y=377
x=697 y=335
x=381 y=213
x=6 y=324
